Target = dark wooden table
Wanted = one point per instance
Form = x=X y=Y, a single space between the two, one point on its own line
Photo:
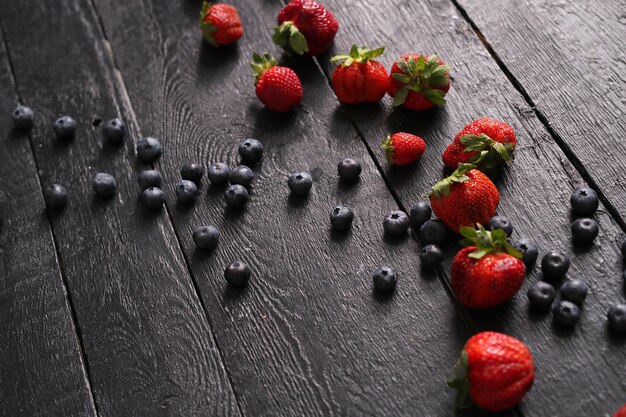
x=107 y=310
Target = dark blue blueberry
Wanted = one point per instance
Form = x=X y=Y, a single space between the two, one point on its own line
x=585 y=230
x=396 y=223
x=385 y=279
x=529 y=251
x=341 y=218
x=554 y=265
x=574 y=290
x=349 y=169
x=584 y=201
x=218 y=173
x=149 y=149
x=64 y=128
x=55 y=196
x=206 y=237
x=236 y=196
x=241 y=175
x=433 y=231
x=617 y=318
x=104 y=184
x=566 y=313
x=500 y=222
x=192 y=172
x=300 y=183
x=541 y=295
x=431 y=256
x=420 y=213
x=251 y=150
x=153 y=198
x=186 y=192
x=149 y=178
x=237 y=274
x=113 y=131
x=23 y=117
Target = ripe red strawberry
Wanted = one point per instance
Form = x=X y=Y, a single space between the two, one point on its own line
x=419 y=82
x=489 y=271
x=279 y=88
x=403 y=148
x=495 y=372
x=486 y=143
x=621 y=412
x=220 y=24
x=360 y=79
x=305 y=26
x=465 y=198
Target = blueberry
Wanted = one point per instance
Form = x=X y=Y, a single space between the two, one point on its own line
x=55 y=196
x=218 y=173
x=584 y=201
x=241 y=175
x=420 y=213
x=431 y=256
x=396 y=223
x=236 y=196
x=23 y=117
x=554 y=265
x=104 y=184
x=149 y=149
x=566 y=313
x=584 y=230
x=500 y=222
x=186 y=192
x=64 y=128
x=206 y=237
x=617 y=318
x=349 y=169
x=192 y=172
x=113 y=131
x=574 y=290
x=149 y=178
x=433 y=231
x=251 y=150
x=529 y=251
x=385 y=279
x=341 y=218
x=541 y=295
x=153 y=198
x=300 y=183
x=237 y=274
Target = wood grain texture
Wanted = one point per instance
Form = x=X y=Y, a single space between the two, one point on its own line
x=41 y=370
x=535 y=196
x=573 y=70
x=147 y=342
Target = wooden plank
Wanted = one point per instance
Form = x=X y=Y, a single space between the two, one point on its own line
x=308 y=336
x=574 y=73
x=147 y=342
x=41 y=369
x=535 y=196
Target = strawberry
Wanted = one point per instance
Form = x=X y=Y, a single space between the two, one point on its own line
x=360 y=79
x=419 y=82
x=621 y=412
x=495 y=372
x=486 y=143
x=465 y=198
x=403 y=148
x=305 y=26
x=489 y=271
x=220 y=24
x=279 y=88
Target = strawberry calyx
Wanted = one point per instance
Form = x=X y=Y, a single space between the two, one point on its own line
x=486 y=242
x=289 y=37
x=442 y=188
x=461 y=384
x=491 y=153
x=420 y=76
x=205 y=25
x=261 y=63
x=389 y=149
x=358 y=54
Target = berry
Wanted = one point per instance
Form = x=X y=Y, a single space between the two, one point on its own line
x=341 y=218
x=584 y=201
x=55 y=196
x=349 y=169
x=241 y=175
x=186 y=192
x=220 y=24
x=433 y=231
x=113 y=131
x=218 y=173
x=300 y=183
x=238 y=274
x=192 y=172
x=585 y=230
x=419 y=82
x=385 y=279
x=64 y=128
x=251 y=150
x=574 y=290
x=206 y=237
x=236 y=196
x=153 y=198
x=23 y=117
x=500 y=222
x=279 y=88
x=149 y=150
x=529 y=251
x=403 y=148
x=621 y=412
x=360 y=79
x=566 y=313
x=541 y=295
x=420 y=213
x=104 y=184
x=617 y=318
x=396 y=223
x=554 y=265
x=431 y=256
x=149 y=178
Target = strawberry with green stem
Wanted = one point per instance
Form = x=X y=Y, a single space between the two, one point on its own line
x=419 y=82
x=403 y=148
x=359 y=78
x=220 y=24
x=279 y=88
